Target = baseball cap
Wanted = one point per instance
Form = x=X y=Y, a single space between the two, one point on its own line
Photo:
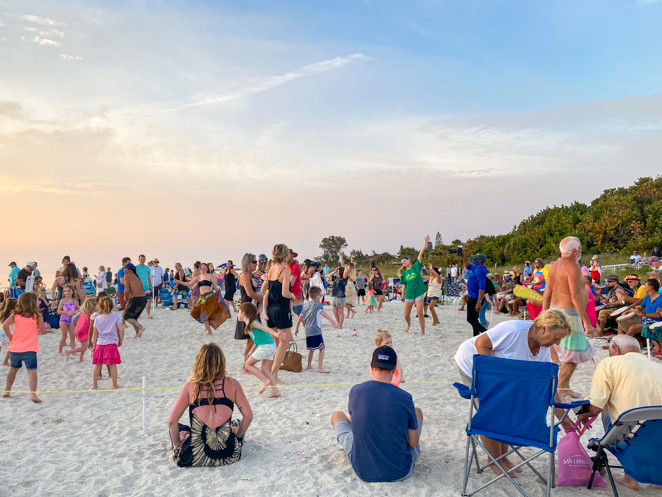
x=490 y=275
x=656 y=272
x=480 y=257
x=384 y=357
x=31 y=264
x=12 y=263
x=262 y=256
x=130 y=267
x=293 y=253
x=156 y=260
x=612 y=277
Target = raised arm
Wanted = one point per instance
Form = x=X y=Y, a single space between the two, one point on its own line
x=189 y=283
x=422 y=251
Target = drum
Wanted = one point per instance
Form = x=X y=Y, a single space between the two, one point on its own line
x=618 y=312
x=656 y=326
x=626 y=321
x=598 y=308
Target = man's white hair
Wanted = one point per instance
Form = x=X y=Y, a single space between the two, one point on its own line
x=569 y=244
x=626 y=343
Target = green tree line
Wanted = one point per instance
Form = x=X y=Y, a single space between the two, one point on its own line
x=620 y=220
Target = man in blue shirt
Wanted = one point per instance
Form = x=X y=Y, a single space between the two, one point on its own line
x=381 y=440
x=120 y=283
x=475 y=289
x=13 y=273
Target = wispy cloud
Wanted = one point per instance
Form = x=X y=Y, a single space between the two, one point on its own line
x=55 y=32
x=30 y=28
x=40 y=20
x=70 y=57
x=272 y=82
x=45 y=42
x=2 y=24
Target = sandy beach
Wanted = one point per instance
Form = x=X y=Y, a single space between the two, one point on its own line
x=93 y=443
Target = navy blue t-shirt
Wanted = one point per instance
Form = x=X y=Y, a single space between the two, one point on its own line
x=381 y=415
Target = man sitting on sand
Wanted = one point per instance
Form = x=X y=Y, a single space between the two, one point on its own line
x=134 y=295
x=381 y=440
x=623 y=381
x=566 y=291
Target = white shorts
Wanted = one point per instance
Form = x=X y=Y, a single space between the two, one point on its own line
x=265 y=352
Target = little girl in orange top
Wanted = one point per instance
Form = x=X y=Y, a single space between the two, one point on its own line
x=383 y=337
x=83 y=328
x=107 y=335
x=23 y=343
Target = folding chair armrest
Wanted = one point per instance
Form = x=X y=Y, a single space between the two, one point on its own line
x=464 y=391
x=573 y=405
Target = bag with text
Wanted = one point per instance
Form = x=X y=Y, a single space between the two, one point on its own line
x=575 y=466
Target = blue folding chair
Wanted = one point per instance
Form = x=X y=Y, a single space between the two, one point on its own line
x=516 y=408
x=166 y=297
x=634 y=439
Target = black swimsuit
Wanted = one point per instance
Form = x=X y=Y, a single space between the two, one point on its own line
x=278 y=310
x=209 y=446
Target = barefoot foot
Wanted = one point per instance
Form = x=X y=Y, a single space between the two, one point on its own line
x=274 y=393
x=323 y=371
x=35 y=399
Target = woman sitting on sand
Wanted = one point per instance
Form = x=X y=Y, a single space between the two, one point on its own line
x=210 y=309
x=213 y=439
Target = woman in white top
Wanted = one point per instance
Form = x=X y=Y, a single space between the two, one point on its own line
x=520 y=340
x=434 y=291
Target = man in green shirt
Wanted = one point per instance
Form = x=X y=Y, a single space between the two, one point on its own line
x=414 y=287
x=144 y=272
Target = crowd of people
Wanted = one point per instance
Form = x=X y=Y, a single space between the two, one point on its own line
x=564 y=300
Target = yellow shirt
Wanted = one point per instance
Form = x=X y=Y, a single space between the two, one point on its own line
x=640 y=293
x=624 y=382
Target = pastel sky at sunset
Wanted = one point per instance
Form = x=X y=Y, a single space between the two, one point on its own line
x=204 y=129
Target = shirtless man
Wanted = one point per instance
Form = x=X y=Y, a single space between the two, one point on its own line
x=134 y=294
x=566 y=290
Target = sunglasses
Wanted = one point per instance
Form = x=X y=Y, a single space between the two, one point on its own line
x=254 y=262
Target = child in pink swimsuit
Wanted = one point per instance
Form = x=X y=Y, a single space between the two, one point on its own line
x=67 y=309
x=83 y=328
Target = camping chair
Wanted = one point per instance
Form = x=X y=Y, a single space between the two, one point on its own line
x=634 y=439
x=515 y=400
x=166 y=297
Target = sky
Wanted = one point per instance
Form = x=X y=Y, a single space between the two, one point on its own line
x=201 y=130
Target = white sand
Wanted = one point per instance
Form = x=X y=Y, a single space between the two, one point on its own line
x=92 y=443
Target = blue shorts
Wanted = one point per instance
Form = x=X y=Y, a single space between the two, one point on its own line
x=148 y=295
x=315 y=342
x=344 y=435
x=411 y=301
x=429 y=300
x=16 y=360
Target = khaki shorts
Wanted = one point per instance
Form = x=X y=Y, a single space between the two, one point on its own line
x=339 y=302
